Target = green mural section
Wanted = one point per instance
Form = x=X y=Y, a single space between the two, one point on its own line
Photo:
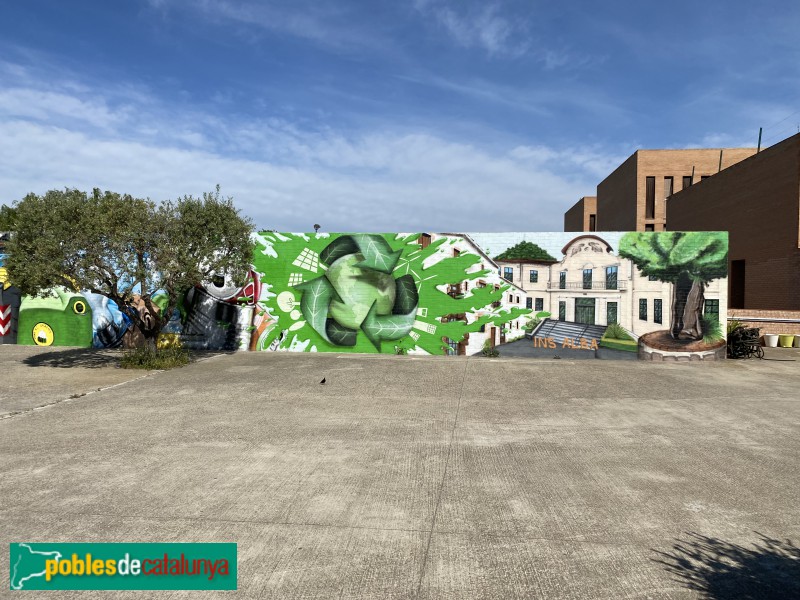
x=61 y=319
x=372 y=293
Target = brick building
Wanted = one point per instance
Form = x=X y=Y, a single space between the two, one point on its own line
x=582 y=216
x=632 y=198
x=757 y=200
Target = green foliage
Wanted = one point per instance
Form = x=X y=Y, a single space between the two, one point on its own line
x=154 y=358
x=8 y=218
x=616 y=332
x=541 y=315
x=278 y=252
x=712 y=330
x=532 y=324
x=117 y=245
x=733 y=326
x=489 y=350
x=667 y=255
x=527 y=251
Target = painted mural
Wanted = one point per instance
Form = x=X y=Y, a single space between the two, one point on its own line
x=654 y=296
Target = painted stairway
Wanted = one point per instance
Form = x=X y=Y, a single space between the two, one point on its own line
x=560 y=330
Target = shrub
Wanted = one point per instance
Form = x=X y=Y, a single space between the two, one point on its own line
x=154 y=359
x=615 y=331
x=734 y=325
x=712 y=330
x=489 y=350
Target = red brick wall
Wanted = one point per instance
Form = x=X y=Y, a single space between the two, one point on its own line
x=741 y=314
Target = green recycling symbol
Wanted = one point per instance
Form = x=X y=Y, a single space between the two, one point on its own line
x=358 y=291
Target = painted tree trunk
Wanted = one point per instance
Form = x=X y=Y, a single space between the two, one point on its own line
x=680 y=293
x=693 y=311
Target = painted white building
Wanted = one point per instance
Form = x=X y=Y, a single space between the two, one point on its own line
x=591 y=284
x=513 y=297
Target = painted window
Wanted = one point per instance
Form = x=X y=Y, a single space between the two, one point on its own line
x=657 y=310
x=711 y=310
x=652 y=278
x=611 y=278
x=528 y=302
x=534 y=276
x=562 y=280
x=540 y=304
x=510 y=299
x=587 y=279
x=562 y=311
x=508 y=273
x=643 y=309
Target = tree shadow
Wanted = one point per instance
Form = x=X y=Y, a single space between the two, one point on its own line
x=87 y=358
x=768 y=570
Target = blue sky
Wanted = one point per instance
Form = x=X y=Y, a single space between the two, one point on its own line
x=382 y=115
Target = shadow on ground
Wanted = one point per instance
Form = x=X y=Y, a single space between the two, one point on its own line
x=79 y=357
x=768 y=570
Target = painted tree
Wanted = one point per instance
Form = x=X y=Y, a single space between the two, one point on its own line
x=525 y=251
x=687 y=260
x=130 y=250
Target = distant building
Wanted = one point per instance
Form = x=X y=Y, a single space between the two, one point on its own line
x=582 y=216
x=591 y=284
x=632 y=198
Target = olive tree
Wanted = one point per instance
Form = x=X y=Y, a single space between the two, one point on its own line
x=127 y=249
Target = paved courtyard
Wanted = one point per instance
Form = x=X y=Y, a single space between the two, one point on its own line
x=411 y=477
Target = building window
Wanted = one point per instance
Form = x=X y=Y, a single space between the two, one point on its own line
x=687 y=181
x=508 y=273
x=650 y=198
x=611 y=278
x=643 y=309
x=587 y=279
x=704 y=177
x=668 y=183
x=711 y=310
x=517 y=300
x=592 y=222
x=649 y=227
x=562 y=311
x=528 y=302
x=425 y=240
x=657 y=310
x=456 y=252
x=652 y=278
x=534 y=276
x=562 y=280
x=482 y=329
x=540 y=304
x=510 y=299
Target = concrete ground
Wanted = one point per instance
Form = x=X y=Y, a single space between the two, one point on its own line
x=407 y=477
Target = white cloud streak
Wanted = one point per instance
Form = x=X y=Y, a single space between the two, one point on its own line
x=284 y=176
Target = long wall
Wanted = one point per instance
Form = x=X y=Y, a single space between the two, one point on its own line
x=416 y=293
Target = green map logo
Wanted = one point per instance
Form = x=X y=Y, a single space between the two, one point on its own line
x=122 y=566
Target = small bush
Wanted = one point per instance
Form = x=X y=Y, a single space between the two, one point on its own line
x=615 y=331
x=734 y=325
x=154 y=359
x=489 y=350
x=532 y=324
x=712 y=330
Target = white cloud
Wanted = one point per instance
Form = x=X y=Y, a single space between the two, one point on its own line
x=480 y=27
x=284 y=176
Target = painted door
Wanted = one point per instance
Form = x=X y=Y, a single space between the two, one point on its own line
x=611 y=313
x=584 y=310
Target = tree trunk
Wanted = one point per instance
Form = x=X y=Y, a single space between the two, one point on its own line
x=680 y=292
x=693 y=311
